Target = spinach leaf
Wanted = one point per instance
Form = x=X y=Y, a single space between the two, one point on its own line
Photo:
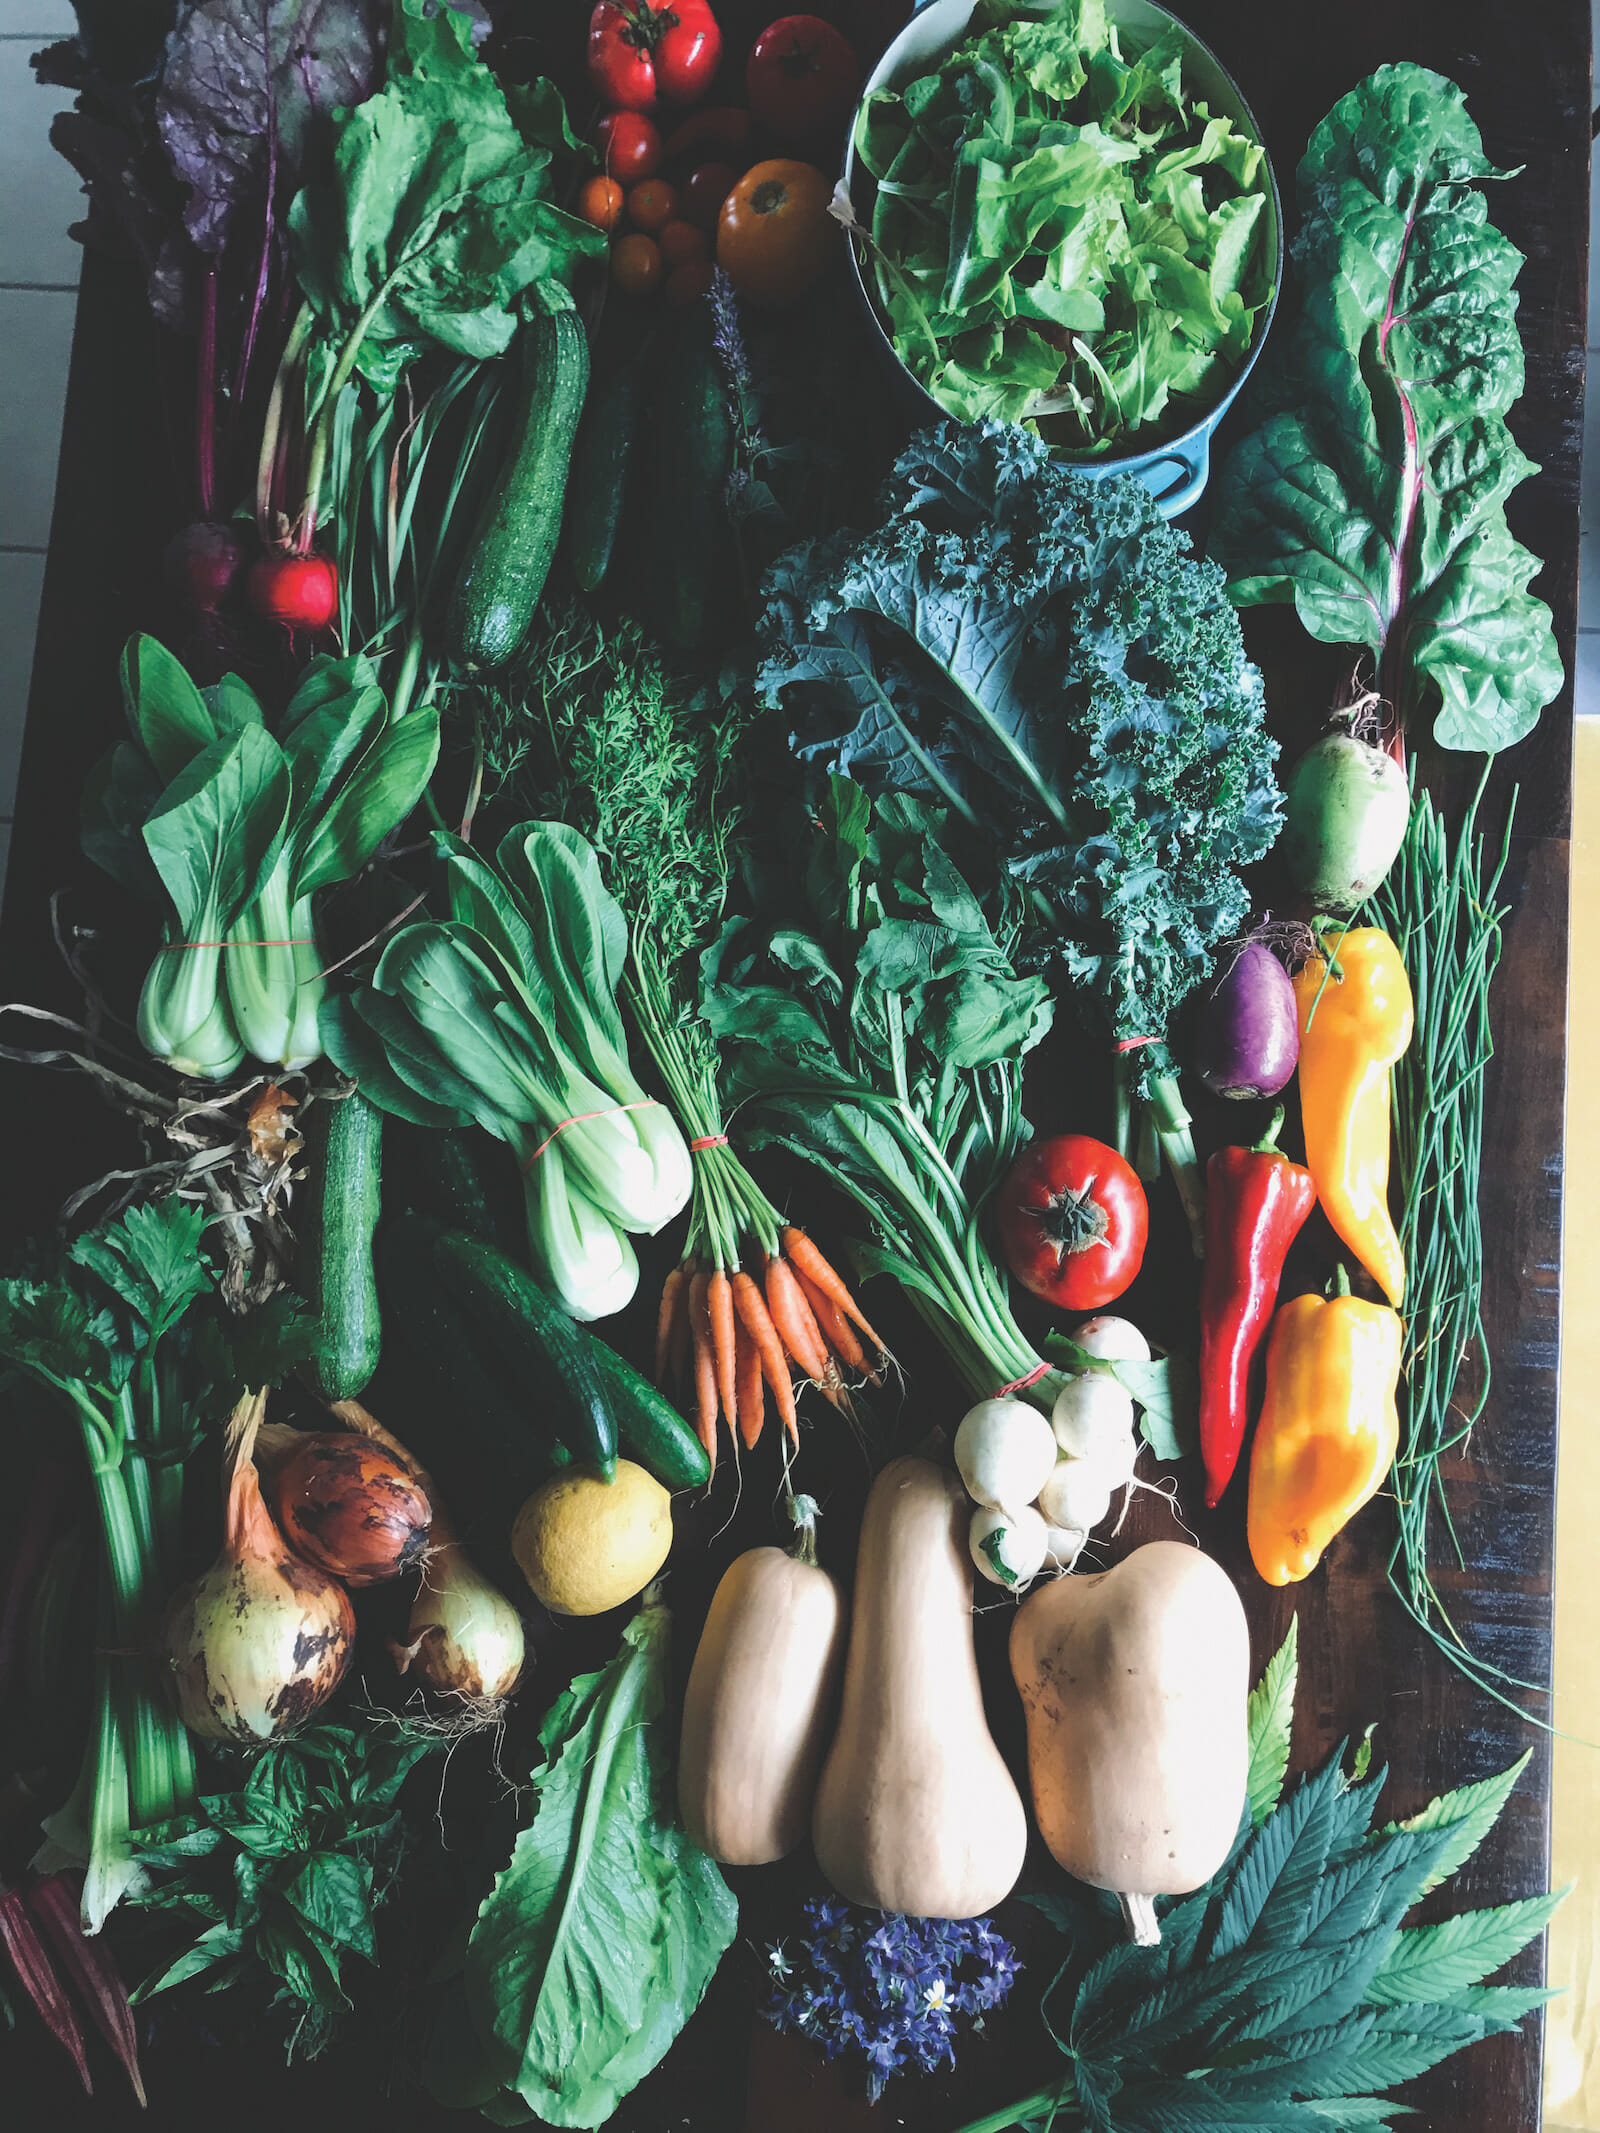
x=1373 y=492
x=436 y=214
x=600 y=1936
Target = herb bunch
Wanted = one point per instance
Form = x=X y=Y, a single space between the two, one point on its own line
x=1285 y=1995
x=893 y=1991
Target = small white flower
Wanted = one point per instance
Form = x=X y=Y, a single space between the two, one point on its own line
x=937 y=1996
x=778 y=1961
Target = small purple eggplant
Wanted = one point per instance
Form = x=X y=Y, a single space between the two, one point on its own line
x=1247 y=1036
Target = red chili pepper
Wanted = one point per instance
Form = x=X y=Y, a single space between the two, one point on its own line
x=1257 y=1202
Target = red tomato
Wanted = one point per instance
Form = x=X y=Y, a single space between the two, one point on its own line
x=652 y=205
x=705 y=191
x=601 y=202
x=775 y=236
x=636 y=264
x=1072 y=1221
x=681 y=243
x=687 y=282
x=630 y=147
x=643 y=50
x=724 y=129
x=802 y=77
x=300 y=591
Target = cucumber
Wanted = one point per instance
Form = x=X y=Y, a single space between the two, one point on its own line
x=441 y=1176
x=337 y=1276
x=688 y=539
x=533 y=1339
x=649 y=1428
x=598 y=482
x=515 y=538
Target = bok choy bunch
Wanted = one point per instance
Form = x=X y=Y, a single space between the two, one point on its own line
x=241 y=828
x=506 y=1013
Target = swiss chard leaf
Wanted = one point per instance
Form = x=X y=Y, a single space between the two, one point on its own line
x=1373 y=493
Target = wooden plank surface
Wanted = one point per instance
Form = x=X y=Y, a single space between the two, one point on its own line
x=1526 y=69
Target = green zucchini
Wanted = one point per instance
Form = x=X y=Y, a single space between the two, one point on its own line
x=649 y=1428
x=336 y=1273
x=598 y=483
x=689 y=542
x=534 y=1341
x=515 y=538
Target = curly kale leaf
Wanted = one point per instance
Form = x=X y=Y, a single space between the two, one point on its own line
x=1042 y=654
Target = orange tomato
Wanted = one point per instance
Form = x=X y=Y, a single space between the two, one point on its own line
x=687 y=282
x=652 y=205
x=636 y=264
x=681 y=243
x=601 y=202
x=775 y=237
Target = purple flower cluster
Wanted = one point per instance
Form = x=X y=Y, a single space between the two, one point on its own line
x=892 y=1989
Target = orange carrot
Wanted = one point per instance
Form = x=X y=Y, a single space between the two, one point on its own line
x=807 y=1260
x=752 y=1395
x=837 y=1330
x=791 y=1314
x=719 y=1309
x=705 y=1364
x=754 y=1316
x=673 y=1301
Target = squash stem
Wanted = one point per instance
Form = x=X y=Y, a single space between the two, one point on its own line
x=1139 y=1916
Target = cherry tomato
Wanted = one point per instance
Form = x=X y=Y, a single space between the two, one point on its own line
x=723 y=131
x=652 y=205
x=687 y=282
x=775 y=237
x=636 y=264
x=681 y=243
x=1072 y=1221
x=643 y=50
x=601 y=202
x=630 y=147
x=802 y=77
x=703 y=195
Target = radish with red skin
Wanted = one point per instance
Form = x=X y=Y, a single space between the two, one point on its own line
x=203 y=563
x=299 y=591
x=1247 y=1031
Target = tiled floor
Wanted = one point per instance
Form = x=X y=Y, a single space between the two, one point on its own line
x=39 y=197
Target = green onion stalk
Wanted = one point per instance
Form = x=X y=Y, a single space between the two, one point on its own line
x=1439 y=905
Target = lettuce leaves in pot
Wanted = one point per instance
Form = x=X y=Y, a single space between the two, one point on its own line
x=1372 y=494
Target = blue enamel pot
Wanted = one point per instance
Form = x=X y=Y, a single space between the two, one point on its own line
x=1175 y=471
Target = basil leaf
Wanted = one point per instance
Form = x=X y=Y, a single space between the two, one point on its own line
x=1373 y=494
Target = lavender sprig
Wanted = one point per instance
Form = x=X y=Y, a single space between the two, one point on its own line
x=893 y=1990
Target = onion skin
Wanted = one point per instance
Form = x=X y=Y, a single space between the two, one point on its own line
x=352 y=1508
x=260 y=1640
x=1247 y=1034
x=466 y=1637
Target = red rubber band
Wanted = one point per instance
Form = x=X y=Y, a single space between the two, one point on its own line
x=1021 y=1384
x=648 y=1103
x=708 y=1140
x=1134 y=1044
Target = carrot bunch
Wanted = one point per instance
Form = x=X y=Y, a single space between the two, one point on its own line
x=745 y=1337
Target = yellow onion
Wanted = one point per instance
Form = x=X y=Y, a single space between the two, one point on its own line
x=464 y=1638
x=262 y=1639
x=352 y=1508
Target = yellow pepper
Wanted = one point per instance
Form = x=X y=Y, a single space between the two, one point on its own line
x=1360 y=1027
x=1328 y=1427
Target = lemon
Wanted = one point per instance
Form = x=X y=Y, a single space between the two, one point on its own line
x=585 y=1544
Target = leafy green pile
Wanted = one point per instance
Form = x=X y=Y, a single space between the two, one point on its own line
x=279 y=1880
x=1285 y=1995
x=1041 y=654
x=600 y=1936
x=1373 y=493
x=1062 y=233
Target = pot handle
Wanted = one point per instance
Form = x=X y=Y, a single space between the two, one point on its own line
x=1177 y=480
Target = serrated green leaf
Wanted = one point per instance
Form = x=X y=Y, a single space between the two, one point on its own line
x=1350 y=2112
x=1269 y=1718
x=1504 y=2006
x=1435 y=1962
x=1471 y=1811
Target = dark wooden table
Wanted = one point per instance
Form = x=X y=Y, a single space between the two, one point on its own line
x=1525 y=65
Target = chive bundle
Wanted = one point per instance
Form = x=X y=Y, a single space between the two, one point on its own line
x=1439 y=905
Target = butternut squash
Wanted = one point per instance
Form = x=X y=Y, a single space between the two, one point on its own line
x=1135 y=1685
x=759 y=1702
x=916 y=1810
